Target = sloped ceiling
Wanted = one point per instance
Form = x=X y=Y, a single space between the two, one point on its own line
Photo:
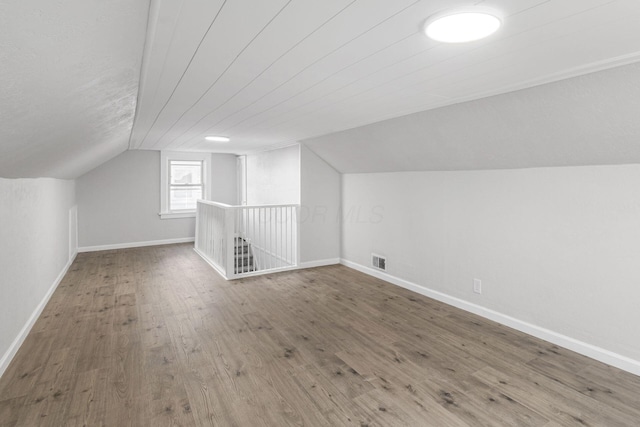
x=588 y=120
x=268 y=73
x=69 y=74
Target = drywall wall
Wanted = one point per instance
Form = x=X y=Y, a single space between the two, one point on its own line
x=34 y=252
x=319 y=210
x=273 y=177
x=554 y=247
x=224 y=177
x=119 y=201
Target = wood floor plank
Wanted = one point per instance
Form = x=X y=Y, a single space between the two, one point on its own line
x=386 y=412
x=153 y=337
x=88 y=404
x=210 y=403
x=10 y=410
x=613 y=394
x=554 y=400
x=27 y=366
x=477 y=403
x=331 y=400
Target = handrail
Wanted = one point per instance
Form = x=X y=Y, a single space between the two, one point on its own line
x=226 y=206
x=212 y=203
x=290 y=205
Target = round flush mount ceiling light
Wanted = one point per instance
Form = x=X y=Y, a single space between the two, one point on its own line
x=463 y=25
x=217 y=138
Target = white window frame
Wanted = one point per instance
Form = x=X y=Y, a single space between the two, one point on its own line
x=165 y=184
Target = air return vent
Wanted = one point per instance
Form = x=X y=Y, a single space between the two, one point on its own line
x=379 y=262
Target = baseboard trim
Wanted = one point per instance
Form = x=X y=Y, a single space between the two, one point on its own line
x=136 y=244
x=586 y=349
x=17 y=342
x=319 y=263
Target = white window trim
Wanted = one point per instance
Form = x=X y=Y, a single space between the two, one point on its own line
x=165 y=158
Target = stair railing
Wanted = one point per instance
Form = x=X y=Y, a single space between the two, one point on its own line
x=241 y=241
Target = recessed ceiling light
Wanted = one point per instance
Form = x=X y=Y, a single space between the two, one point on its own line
x=463 y=25
x=217 y=138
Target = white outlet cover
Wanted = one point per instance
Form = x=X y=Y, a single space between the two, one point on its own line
x=477 y=286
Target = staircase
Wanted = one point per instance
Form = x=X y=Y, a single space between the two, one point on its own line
x=239 y=241
x=243 y=262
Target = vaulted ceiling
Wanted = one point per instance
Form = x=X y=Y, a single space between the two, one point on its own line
x=273 y=72
x=69 y=74
x=269 y=73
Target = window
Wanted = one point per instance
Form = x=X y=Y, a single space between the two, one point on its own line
x=183 y=181
x=186 y=184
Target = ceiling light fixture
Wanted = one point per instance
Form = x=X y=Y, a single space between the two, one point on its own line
x=218 y=138
x=463 y=25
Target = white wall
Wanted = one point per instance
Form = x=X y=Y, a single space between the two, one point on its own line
x=34 y=252
x=224 y=179
x=558 y=248
x=320 y=209
x=273 y=177
x=119 y=201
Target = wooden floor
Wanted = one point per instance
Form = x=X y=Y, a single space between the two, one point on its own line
x=153 y=337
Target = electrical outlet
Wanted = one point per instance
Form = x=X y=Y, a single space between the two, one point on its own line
x=477 y=286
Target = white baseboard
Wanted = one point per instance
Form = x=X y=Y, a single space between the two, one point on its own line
x=586 y=349
x=15 y=345
x=319 y=263
x=136 y=244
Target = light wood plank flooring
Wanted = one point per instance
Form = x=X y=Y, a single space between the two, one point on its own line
x=153 y=337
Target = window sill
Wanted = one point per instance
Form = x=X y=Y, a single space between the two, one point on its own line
x=174 y=215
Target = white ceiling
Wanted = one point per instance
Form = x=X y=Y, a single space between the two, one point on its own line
x=69 y=74
x=587 y=120
x=268 y=73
